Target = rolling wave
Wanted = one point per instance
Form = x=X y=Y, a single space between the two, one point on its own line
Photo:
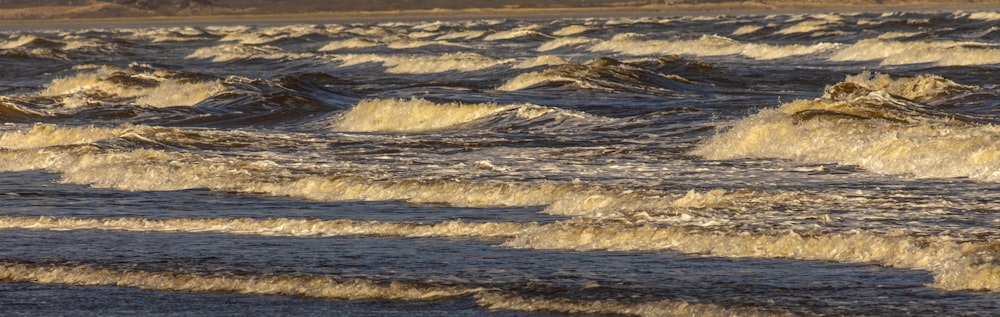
x=939 y=53
x=240 y=51
x=865 y=124
x=603 y=74
x=563 y=42
x=569 y=139
x=86 y=155
x=527 y=31
x=407 y=64
x=308 y=286
x=141 y=94
x=31 y=41
x=357 y=289
x=707 y=45
x=956 y=266
x=150 y=89
x=417 y=115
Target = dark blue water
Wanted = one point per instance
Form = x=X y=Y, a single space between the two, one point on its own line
x=826 y=164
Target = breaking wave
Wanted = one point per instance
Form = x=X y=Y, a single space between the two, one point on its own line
x=603 y=74
x=530 y=31
x=239 y=51
x=873 y=122
x=544 y=60
x=417 y=115
x=573 y=30
x=348 y=44
x=406 y=64
x=154 y=89
x=88 y=156
x=31 y=41
x=940 y=53
x=707 y=45
x=563 y=42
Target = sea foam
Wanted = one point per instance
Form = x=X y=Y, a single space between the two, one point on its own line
x=155 y=89
x=408 y=64
x=941 y=53
x=707 y=45
x=414 y=115
x=870 y=128
x=956 y=266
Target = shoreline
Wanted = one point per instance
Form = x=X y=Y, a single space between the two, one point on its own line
x=734 y=9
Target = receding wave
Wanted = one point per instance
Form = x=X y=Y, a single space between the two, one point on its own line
x=73 y=153
x=493 y=300
x=861 y=122
x=356 y=289
x=955 y=265
x=308 y=286
x=559 y=198
x=273 y=227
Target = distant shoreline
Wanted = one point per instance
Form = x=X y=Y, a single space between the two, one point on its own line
x=730 y=8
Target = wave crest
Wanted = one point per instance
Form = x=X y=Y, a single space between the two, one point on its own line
x=418 y=115
x=603 y=74
x=308 y=286
x=240 y=51
x=155 y=88
x=873 y=129
x=940 y=53
x=403 y=64
x=955 y=265
x=707 y=45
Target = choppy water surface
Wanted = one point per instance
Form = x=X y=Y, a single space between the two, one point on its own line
x=829 y=164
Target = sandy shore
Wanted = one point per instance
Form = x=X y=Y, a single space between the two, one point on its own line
x=760 y=7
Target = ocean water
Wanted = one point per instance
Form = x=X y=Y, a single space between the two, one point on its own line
x=814 y=164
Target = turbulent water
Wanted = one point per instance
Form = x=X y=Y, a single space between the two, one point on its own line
x=827 y=164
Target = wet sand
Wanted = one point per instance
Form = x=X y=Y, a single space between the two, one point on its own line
x=8 y=20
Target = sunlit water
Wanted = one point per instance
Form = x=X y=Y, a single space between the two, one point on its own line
x=840 y=164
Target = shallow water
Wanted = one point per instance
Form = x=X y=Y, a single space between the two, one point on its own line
x=828 y=164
